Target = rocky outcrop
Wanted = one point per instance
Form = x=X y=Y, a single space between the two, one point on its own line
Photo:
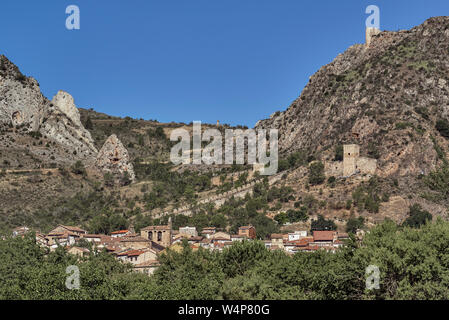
x=23 y=107
x=65 y=102
x=79 y=138
x=21 y=102
x=113 y=158
x=386 y=98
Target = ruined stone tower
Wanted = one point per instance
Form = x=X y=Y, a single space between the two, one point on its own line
x=351 y=153
x=370 y=32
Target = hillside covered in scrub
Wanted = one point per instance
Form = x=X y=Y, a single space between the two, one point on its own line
x=390 y=98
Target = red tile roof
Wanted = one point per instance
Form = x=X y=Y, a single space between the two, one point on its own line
x=323 y=235
x=120 y=232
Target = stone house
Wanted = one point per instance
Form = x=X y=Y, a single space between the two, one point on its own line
x=55 y=239
x=238 y=237
x=135 y=242
x=277 y=241
x=208 y=232
x=188 y=231
x=95 y=238
x=220 y=235
x=138 y=256
x=63 y=229
x=297 y=235
x=82 y=252
x=324 y=238
x=248 y=231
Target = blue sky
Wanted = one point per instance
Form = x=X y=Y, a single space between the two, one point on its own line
x=236 y=61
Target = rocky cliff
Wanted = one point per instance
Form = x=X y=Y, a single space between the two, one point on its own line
x=386 y=97
x=24 y=110
x=113 y=158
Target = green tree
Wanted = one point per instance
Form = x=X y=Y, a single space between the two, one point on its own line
x=338 y=153
x=88 y=124
x=354 y=224
x=417 y=217
x=442 y=125
x=316 y=173
x=322 y=224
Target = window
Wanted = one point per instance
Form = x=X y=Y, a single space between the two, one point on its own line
x=159 y=236
x=150 y=235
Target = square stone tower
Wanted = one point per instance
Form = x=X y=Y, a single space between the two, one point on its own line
x=370 y=32
x=351 y=153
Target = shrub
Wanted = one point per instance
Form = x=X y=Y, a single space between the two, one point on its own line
x=355 y=223
x=316 y=173
x=322 y=224
x=442 y=126
x=78 y=168
x=417 y=217
x=338 y=153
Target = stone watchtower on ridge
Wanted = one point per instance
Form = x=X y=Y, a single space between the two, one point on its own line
x=351 y=153
x=370 y=32
x=352 y=163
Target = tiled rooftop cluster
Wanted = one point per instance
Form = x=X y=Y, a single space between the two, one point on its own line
x=142 y=250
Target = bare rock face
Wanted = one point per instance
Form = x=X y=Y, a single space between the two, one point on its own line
x=114 y=158
x=65 y=102
x=23 y=107
x=79 y=136
x=21 y=102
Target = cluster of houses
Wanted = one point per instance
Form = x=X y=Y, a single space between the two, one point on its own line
x=299 y=241
x=142 y=249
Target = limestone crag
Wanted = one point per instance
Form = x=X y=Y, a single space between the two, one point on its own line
x=65 y=102
x=80 y=136
x=21 y=102
x=385 y=97
x=23 y=107
x=114 y=158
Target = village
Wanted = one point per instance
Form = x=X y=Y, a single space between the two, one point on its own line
x=142 y=250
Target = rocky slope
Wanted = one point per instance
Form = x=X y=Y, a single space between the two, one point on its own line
x=386 y=97
x=390 y=98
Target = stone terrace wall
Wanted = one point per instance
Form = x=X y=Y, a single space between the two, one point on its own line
x=219 y=200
